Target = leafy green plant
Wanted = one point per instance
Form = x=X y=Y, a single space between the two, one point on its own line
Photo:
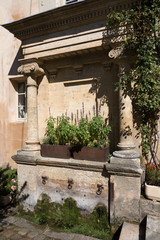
x=82 y=132
x=92 y=134
x=141 y=27
x=59 y=131
x=65 y=132
x=50 y=136
x=8 y=181
x=99 y=132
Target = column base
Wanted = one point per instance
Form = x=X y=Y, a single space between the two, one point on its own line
x=31 y=146
x=126 y=157
x=126 y=146
x=31 y=149
x=34 y=147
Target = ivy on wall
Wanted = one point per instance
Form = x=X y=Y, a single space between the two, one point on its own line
x=142 y=82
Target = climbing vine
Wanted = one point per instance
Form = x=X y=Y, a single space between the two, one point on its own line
x=142 y=82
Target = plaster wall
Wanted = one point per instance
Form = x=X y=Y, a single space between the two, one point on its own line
x=12 y=131
x=44 y=5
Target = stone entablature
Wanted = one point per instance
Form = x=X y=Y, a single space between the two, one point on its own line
x=84 y=12
x=75 y=41
x=78 y=28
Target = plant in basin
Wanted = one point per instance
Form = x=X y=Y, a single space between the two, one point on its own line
x=92 y=140
x=152 y=182
x=58 y=138
x=99 y=132
x=80 y=142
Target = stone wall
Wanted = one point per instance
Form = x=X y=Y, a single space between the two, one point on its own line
x=116 y=186
x=51 y=176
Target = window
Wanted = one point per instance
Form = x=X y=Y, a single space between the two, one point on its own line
x=71 y=1
x=21 y=100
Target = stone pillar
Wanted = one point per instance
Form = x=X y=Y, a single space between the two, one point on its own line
x=126 y=148
x=126 y=114
x=32 y=70
x=125 y=172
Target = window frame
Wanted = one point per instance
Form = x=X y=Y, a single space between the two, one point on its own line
x=25 y=103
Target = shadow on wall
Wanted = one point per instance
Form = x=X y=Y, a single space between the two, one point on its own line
x=15 y=64
x=101 y=87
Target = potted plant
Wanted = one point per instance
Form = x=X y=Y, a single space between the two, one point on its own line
x=59 y=135
x=8 y=185
x=152 y=182
x=88 y=140
x=92 y=140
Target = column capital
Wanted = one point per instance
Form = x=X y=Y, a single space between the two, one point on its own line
x=31 y=69
x=115 y=52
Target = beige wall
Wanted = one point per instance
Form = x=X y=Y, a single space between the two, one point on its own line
x=12 y=132
x=79 y=94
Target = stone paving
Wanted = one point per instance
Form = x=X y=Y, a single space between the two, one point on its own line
x=15 y=228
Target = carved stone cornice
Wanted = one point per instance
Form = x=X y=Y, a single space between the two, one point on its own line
x=78 y=69
x=66 y=17
x=31 y=69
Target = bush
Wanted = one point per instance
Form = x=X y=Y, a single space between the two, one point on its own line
x=8 y=181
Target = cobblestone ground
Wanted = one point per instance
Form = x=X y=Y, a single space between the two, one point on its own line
x=15 y=228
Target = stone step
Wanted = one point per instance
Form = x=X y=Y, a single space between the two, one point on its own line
x=152 y=228
x=129 y=231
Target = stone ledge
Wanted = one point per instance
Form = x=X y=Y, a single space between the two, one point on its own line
x=71 y=163
x=149 y=207
x=79 y=164
x=58 y=162
x=129 y=231
x=23 y=159
x=127 y=170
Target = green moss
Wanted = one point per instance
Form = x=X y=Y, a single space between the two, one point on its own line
x=67 y=218
x=99 y=218
x=50 y=213
x=71 y=213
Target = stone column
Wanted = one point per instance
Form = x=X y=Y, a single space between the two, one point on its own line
x=32 y=70
x=126 y=146
x=126 y=114
x=125 y=174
